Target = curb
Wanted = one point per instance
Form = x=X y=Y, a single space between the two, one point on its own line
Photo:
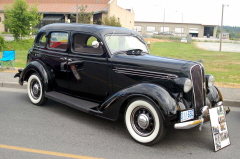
x=227 y=102
x=235 y=103
x=13 y=85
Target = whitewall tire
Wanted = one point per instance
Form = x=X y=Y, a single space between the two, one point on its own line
x=144 y=121
x=35 y=90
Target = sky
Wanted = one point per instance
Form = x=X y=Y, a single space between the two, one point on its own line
x=207 y=12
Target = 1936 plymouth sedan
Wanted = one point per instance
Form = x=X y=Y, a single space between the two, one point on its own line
x=107 y=71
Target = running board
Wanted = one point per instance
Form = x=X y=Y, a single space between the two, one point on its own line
x=80 y=104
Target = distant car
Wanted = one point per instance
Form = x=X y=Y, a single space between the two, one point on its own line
x=167 y=33
x=162 y=33
x=108 y=71
x=183 y=40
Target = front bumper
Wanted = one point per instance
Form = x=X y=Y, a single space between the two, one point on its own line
x=202 y=119
x=188 y=124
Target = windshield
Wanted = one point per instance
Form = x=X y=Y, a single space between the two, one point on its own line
x=118 y=43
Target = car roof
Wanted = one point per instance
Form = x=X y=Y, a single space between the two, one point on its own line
x=91 y=28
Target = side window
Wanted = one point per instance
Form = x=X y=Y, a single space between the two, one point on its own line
x=42 y=40
x=90 y=40
x=59 y=40
x=82 y=43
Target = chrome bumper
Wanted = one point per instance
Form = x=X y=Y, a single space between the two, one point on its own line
x=188 y=124
x=202 y=119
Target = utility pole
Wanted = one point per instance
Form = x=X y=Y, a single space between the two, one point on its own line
x=220 y=47
x=77 y=12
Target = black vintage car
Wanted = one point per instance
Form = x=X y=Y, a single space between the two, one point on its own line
x=108 y=71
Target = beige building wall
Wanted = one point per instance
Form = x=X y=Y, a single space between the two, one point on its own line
x=171 y=27
x=125 y=17
x=1 y=22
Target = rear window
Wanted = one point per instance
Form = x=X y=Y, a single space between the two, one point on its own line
x=59 y=40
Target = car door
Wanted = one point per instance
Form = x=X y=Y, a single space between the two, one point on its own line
x=87 y=68
x=56 y=59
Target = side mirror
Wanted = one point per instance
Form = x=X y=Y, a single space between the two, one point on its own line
x=95 y=44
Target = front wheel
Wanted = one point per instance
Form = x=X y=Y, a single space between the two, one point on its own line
x=144 y=122
x=35 y=90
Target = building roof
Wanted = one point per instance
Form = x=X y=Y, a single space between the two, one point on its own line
x=225 y=32
x=63 y=6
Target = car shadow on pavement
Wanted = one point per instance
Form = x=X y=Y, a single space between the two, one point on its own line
x=116 y=129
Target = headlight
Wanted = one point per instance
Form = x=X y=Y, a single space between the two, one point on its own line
x=184 y=83
x=187 y=85
x=210 y=80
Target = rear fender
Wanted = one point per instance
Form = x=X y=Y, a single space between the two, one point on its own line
x=119 y=101
x=37 y=67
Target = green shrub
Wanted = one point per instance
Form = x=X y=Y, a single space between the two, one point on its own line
x=25 y=44
x=4 y=32
x=2 y=43
x=111 y=21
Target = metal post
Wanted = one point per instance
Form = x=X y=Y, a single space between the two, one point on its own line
x=182 y=25
x=77 y=12
x=220 y=47
x=163 y=20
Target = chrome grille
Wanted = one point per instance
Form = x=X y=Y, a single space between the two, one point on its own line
x=197 y=75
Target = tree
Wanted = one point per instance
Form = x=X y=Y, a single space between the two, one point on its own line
x=83 y=16
x=111 y=21
x=230 y=34
x=238 y=34
x=20 y=18
x=218 y=32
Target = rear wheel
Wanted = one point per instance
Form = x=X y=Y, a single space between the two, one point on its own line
x=35 y=90
x=144 y=121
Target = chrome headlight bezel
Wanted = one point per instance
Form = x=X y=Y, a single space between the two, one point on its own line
x=210 y=81
x=185 y=84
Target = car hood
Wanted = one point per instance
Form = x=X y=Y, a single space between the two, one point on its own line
x=152 y=63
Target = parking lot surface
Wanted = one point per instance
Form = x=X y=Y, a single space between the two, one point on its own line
x=228 y=47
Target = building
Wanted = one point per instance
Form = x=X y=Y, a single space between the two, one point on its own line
x=60 y=11
x=225 y=34
x=178 y=29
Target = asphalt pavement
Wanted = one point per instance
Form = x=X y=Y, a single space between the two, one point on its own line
x=231 y=96
x=56 y=131
x=213 y=46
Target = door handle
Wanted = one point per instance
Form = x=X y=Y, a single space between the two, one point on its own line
x=63 y=58
x=74 y=62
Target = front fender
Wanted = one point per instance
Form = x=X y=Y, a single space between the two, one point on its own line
x=157 y=94
x=36 y=67
x=214 y=95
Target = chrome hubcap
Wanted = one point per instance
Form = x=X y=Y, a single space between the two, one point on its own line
x=142 y=121
x=35 y=89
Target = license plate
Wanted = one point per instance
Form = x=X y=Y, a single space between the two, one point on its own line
x=187 y=115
